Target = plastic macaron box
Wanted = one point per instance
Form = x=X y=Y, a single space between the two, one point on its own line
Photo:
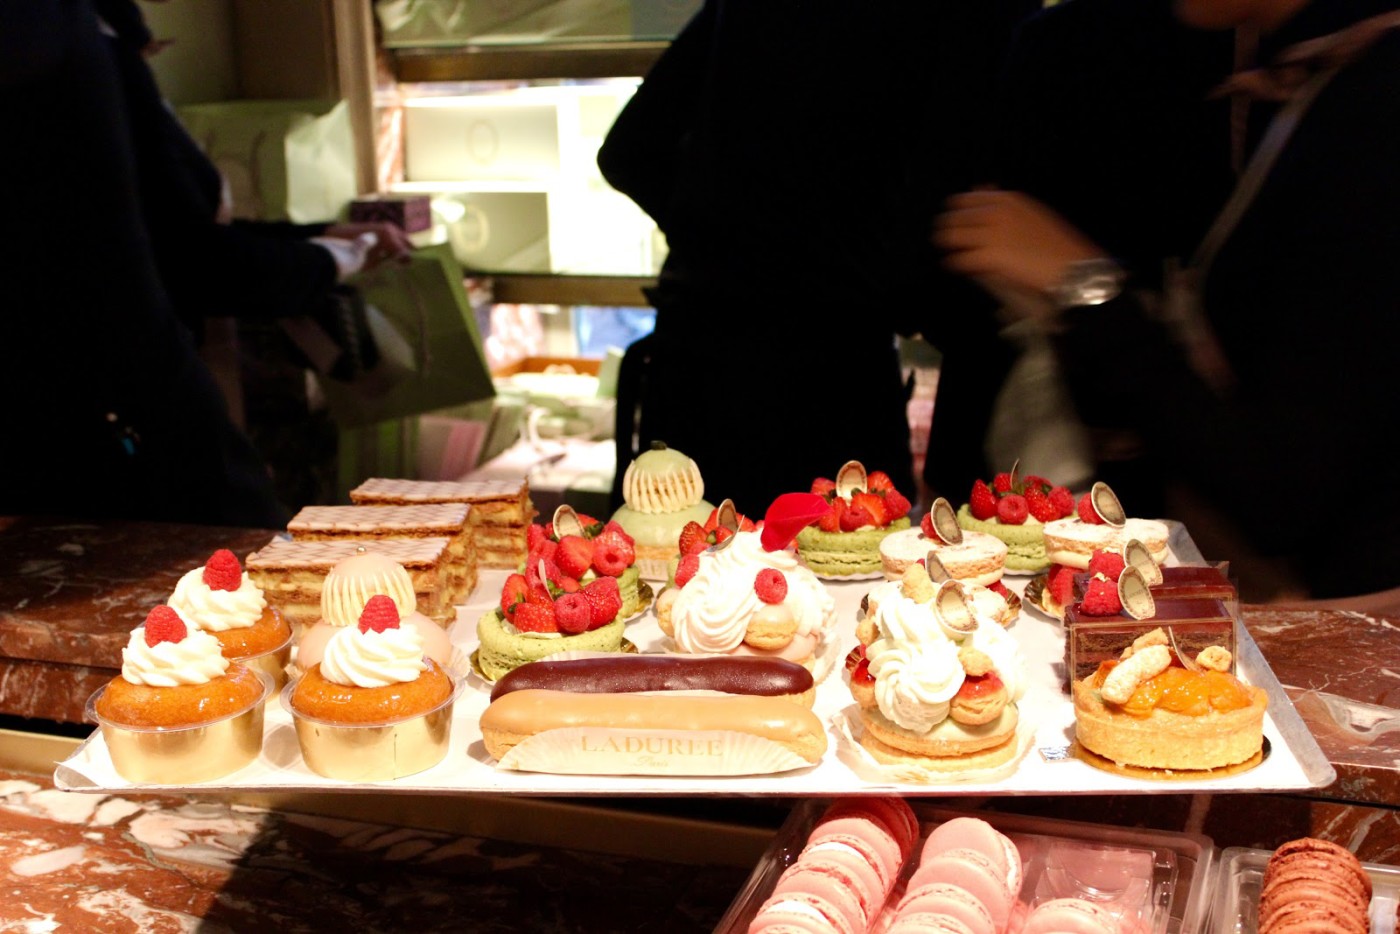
x=1240 y=877
x=1131 y=881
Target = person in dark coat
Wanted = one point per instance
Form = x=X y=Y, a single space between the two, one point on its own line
x=1272 y=409
x=794 y=154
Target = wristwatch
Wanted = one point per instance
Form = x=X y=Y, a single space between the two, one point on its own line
x=1089 y=282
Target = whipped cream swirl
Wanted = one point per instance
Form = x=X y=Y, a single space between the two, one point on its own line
x=915 y=681
x=373 y=659
x=712 y=611
x=196 y=659
x=202 y=607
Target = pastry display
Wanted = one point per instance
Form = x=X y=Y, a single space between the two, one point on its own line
x=573 y=549
x=221 y=599
x=631 y=674
x=750 y=595
x=538 y=617
x=500 y=510
x=291 y=574
x=1314 y=885
x=662 y=491
x=971 y=557
x=1016 y=510
x=862 y=510
x=936 y=687
x=375 y=707
x=348 y=587
x=1101 y=525
x=180 y=711
x=378 y=523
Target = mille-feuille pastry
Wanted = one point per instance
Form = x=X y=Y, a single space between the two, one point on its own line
x=378 y=523
x=501 y=510
x=292 y=573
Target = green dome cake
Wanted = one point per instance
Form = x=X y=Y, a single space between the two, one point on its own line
x=663 y=490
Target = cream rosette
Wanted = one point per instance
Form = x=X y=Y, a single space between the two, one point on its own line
x=373 y=659
x=202 y=607
x=196 y=659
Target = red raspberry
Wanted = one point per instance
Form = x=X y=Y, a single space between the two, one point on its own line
x=1061 y=584
x=1086 y=511
x=1063 y=501
x=604 y=599
x=620 y=542
x=686 y=569
x=1040 y=506
x=573 y=613
x=1001 y=483
x=612 y=528
x=896 y=504
x=831 y=522
x=855 y=517
x=823 y=487
x=222 y=571
x=770 y=585
x=1012 y=509
x=514 y=591
x=877 y=481
x=609 y=560
x=574 y=555
x=163 y=624
x=983 y=502
x=532 y=617
x=926 y=526
x=694 y=539
x=379 y=614
x=874 y=504
x=1108 y=563
x=534 y=537
x=1101 y=598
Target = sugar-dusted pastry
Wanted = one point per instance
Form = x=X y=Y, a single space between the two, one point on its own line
x=662 y=491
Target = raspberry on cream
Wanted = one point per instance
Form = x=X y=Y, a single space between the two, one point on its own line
x=195 y=659
x=214 y=610
x=373 y=659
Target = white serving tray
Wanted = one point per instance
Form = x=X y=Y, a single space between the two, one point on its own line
x=1295 y=762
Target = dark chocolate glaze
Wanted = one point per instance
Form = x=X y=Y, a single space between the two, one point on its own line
x=622 y=674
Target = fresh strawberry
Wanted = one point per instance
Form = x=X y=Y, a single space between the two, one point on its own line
x=1101 y=598
x=856 y=517
x=1061 y=584
x=222 y=571
x=983 y=502
x=831 y=522
x=610 y=557
x=1031 y=481
x=1001 y=483
x=1012 y=509
x=549 y=532
x=533 y=566
x=747 y=525
x=567 y=584
x=604 y=599
x=855 y=656
x=574 y=555
x=721 y=534
x=1039 y=505
x=532 y=617
x=534 y=537
x=163 y=624
x=897 y=505
x=379 y=614
x=877 y=481
x=1063 y=501
x=515 y=591
x=926 y=526
x=874 y=504
x=692 y=539
x=539 y=595
x=1087 y=512
x=861 y=673
x=998 y=588
x=712 y=520
x=1108 y=563
x=686 y=569
x=612 y=528
x=573 y=613
x=770 y=585
x=824 y=487
x=586 y=521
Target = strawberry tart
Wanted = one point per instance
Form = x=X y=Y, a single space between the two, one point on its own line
x=971 y=557
x=862 y=510
x=537 y=618
x=574 y=549
x=937 y=687
x=750 y=595
x=1016 y=510
x=662 y=492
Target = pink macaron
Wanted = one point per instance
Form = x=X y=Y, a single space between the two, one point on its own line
x=1069 y=916
x=849 y=861
x=940 y=898
x=834 y=887
x=972 y=833
x=925 y=923
x=892 y=814
x=797 y=913
x=868 y=837
x=973 y=872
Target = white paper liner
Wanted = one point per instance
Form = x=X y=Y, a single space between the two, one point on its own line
x=606 y=751
x=846 y=725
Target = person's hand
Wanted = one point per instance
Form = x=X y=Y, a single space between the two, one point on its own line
x=391 y=243
x=1008 y=237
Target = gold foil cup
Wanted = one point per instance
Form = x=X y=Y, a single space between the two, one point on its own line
x=374 y=752
x=184 y=755
x=273 y=663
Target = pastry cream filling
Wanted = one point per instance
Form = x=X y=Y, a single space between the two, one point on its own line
x=202 y=607
x=373 y=659
x=196 y=659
